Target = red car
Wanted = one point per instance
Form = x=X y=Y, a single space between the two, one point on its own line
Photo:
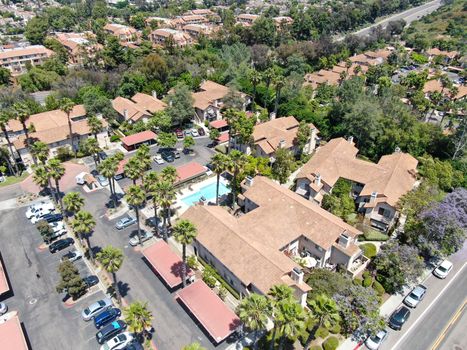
x=179 y=133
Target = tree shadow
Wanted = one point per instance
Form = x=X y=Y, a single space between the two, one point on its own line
x=123 y=288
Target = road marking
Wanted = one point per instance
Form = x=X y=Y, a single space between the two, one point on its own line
x=428 y=307
x=451 y=322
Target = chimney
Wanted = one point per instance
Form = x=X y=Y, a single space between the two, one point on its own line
x=350 y=139
x=344 y=240
x=318 y=179
x=297 y=275
x=125 y=114
x=397 y=150
x=154 y=93
x=373 y=196
x=249 y=181
x=215 y=103
x=282 y=144
x=272 y=116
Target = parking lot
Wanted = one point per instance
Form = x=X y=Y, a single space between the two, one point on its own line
x=48 y=322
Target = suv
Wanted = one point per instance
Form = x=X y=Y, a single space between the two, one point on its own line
x=106 y=316
x=110 y=331
x=125 y=222
x=415 y=296
x=168 y=156
x=61 y=244
x=399 y=317
x=145 y=235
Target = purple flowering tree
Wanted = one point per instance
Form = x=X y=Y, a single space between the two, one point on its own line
x=443 y=226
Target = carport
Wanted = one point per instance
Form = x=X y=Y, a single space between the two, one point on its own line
x=221 y=125
x=189 y=171
x=4 y=287
x=11 y=333
x=216 y=318
x=166 y=263
x=134 y=141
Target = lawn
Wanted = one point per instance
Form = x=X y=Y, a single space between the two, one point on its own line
x=11 y=180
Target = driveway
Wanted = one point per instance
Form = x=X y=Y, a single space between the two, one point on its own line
x=174 y=328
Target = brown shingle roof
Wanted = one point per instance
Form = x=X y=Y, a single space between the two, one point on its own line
x=149 y=103
x=25 y=51
x=210 y=92
x=133 y=111
x=268 y=135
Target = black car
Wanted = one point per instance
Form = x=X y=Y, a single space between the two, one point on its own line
x=110 y=331
x=399 y=317
x=52 y=217
x=134 y=345
x=91 y=280
x=61 y=244
x=168 y=156
x=201 y=132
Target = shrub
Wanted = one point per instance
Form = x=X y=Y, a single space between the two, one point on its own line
x=357 y=281
x=366 y=274
x=367 y=282
x=378 y=288
x=114 y=138
x=208 y=276
x=335 y=329
x=222 y=292
x=192 y=262
x=64 y=153
x=221 y=149
x=316 y=347
x=369 y=250
x=322 y=332
x=331 y=343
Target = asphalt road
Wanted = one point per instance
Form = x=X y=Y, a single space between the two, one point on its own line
x=49 y=324
x=408 y=16
x=174 y=328
x=455 y=338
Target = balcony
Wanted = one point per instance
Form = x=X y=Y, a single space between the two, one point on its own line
x=358 y=265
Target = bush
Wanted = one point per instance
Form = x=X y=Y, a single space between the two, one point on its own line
x=367 y=282
x=316 y=347
x=221 y=149
x=114 y=138
x=378 y=288
x=208 y=276
x=222 y=292
x=331 y=343
x=192 y=262
x=322 y=332
x=366 y=274
x=369 y=250
x=357 y=281
x=64 y=153
x=336 y=329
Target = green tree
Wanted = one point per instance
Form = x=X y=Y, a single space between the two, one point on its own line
x=66 y=106
x=22 y=112
x=160 y=121
x=180 y=107
x=279 y=294
x=188 y=142
x=70 y=280
x=214 y=134
x=5 y=116
x=83 y=224
x=36 y=30
x=138 y=317
x=283 y=165
x=95 y=125
x=340 y=202
x=5 y=76
x=279 y=82
x=323 y=312
x=303 y=135
x=133 y=169
x=166 y=140
x=91 y=146
x=166 y=191
x=135 y=198
x=73 y=202
x=56 y=171
x=254 y=311
x=111 y=259
x=193 y=346
x=151 y=181
x=108 y=168
x=45 y=230
x=41 y=177
x=184 y=233
x=236 y=163
x=219 y=165
x=292 y=320
x=40 y=150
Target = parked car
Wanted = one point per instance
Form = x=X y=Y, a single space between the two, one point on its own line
x=179 y=133
x=187 y=132
x=106 y=316
x=194 y=133
x=415 y=296
x=110 y=331
x=177 y=154
x=58 y=226
x=38 y=208
x=92 y=310
x=168 y=156
x=61 y=244
x=399 y=317
x=201 y=132
x=50 y=217
x=134 y=345
x=91 y=281
x=443 y=269
x=72 y=255
x=118 y=342
x=3 y=308
x=102 y=155
x=55 y=235
x=145 y=235
x=375 y=341
x=125 y=222
x=103 y=181
x=158 y=159
x=40 y=214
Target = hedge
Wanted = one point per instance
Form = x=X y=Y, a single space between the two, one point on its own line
x=336 y=329
x=378 y=288
x=316 y=347
x=369 y=250
x=367 y=282
x=322 y=332
x=357 y=281
x=114 y=138
x=220 y=279
x=331 y=343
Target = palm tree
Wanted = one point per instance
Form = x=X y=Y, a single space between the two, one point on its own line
x=138 y=317
x=292 y=319
x=279 y=293
x=236 y=163
x=232 y=116
x=170 y=174
x=133 y=169
x=92 y=146
x=40 y=151
x=108 y=168
x=184 y=233
x=56 y=171
x=111 y=259
x=5 y=116
x=323 y=312
x=254 y=311
x=279 y=82
x=166 y=197
x=23 y=113
x=219 y=165
x=144 y=156
x=95 y=125
x=135 y=198
x=268 y=76
x=151 y=179
x=66 y=106
x=73 y=202
x=83 y=224
x=193 y=346
x=41 y=177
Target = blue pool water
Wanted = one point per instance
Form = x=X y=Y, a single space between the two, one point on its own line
x=208 y=192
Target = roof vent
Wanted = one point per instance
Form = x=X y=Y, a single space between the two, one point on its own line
x=318 y=179
x=397 y=150
x=249 y=181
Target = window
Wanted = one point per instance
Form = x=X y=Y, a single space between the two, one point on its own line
x=381 y=211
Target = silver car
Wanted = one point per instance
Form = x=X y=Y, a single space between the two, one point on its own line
x=145 y=235
x=102 y=180
x=125 y=222
x=375 y=341
x=415 y=296
x=93 y=309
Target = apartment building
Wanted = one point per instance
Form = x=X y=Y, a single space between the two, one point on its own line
x=246 y=19
x=125 y=34
x=16 y=59
x=162 y=36
x=139 y=107
x=78 y=45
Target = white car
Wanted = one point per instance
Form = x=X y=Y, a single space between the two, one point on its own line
x=118 y=342
x=194 y=133
x=72 y=256
x=375 y=341
x=158 y=159
x=145 y=235
x=38 y=217
x=442 y=271
x=58 y=226
x=93 y=309
x=39 y=208
x=3 y=308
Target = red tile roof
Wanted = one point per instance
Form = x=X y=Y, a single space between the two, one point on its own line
x=166 y=263
x=4 y=287
x=189 y=171
x=139 y=138
x=209 y=310
x=217 y=124
x=223 y=138
x=121 y=166
x=11 y=335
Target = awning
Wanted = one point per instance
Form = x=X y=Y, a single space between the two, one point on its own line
x=11 y=333
x=218 y=124
x=166 y=263
x=4 y=287
x=189 y=171
x=138 y=138
x=218 y=320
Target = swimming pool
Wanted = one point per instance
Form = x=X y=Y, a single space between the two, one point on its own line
x=208 y=192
